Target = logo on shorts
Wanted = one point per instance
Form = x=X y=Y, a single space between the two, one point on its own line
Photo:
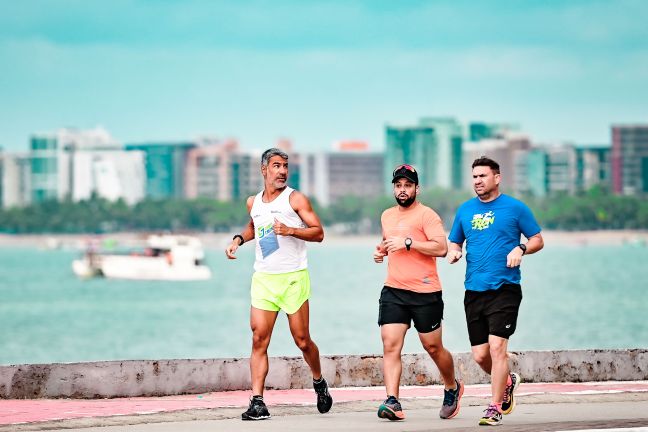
x=435 y=326
x=508 y=326
x=482 y=221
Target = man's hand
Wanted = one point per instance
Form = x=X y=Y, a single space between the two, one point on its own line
x=281 y=229
x=231 y=249
x=514 y=258
x=379 y=253
x=393 y=244
x=454 y=256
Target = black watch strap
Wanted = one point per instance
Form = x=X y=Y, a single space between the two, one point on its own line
x=523 y=247
x=240 y=237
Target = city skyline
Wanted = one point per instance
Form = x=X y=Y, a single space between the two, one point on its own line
x=319 y=72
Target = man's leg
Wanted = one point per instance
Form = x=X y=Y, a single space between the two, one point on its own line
x=433 y=343
x=299 y=328
x=261 y=322
x=393 y=337
x=481 y=354
x=500 y=367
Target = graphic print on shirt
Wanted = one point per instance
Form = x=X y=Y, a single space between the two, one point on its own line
x=267 y=239
x=482 y=221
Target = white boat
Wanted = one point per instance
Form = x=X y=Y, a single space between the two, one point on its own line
x=166 y=257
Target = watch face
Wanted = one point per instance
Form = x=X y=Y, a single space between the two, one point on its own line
x=408 y=241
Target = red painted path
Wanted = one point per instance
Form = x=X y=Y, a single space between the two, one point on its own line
x=17 y=411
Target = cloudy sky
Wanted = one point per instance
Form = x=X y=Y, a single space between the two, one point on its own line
x=319 y=71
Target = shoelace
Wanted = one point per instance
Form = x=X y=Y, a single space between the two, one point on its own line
x=448 y=397
x=394 y=403
x=491 y=411
x=507 y=392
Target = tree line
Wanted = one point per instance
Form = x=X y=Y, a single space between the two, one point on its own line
x=592 y=210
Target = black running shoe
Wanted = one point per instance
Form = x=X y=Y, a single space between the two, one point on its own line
x=508 y=403
x=257 y=410
x=324 y=399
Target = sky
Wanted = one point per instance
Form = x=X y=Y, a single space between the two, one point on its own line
x=317 y=72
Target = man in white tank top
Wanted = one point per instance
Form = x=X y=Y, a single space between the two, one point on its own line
x=282 y=221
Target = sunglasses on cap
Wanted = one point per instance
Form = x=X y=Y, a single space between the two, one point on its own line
x=404 y=166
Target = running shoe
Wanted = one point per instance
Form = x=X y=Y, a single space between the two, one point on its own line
x=492 y=416
x=508 y=403
x=450 y=407
x=257 y=410
x=391 y=409
x=324 y=399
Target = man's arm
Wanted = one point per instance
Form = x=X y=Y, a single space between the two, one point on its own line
x=533 y=245
x=436 y=246
x=302 y=206
x=381 y=252
x=455 y=252
x=247 y=233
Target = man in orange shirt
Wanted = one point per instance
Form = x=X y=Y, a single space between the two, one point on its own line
x=413 y=237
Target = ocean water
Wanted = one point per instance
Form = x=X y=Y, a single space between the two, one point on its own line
x=575 y=297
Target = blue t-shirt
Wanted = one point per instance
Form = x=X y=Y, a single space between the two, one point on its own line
x=491 y=230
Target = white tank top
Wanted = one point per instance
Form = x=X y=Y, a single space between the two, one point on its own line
x=277 y=254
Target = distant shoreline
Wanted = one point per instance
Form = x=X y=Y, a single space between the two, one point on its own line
x=218 y=240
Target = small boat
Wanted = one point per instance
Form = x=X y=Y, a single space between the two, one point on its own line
x=166 y=257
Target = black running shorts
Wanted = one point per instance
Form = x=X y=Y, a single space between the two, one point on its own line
x=492 y=312
x=399 y=306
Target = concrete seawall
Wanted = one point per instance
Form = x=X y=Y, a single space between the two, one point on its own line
x=170 y=377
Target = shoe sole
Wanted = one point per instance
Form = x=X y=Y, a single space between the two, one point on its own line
x=388 y=413
x=512 y=407
x=483 y=422
x=456 y=411
x=255 y=418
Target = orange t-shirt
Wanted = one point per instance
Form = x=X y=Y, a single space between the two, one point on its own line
x=411 y=270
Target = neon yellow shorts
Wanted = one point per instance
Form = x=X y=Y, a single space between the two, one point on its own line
x=283 y=291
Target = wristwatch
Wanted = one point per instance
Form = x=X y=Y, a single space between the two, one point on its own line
x=523 y=247
x=408 y=243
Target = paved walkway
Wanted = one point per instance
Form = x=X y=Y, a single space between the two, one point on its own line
x=43 y=412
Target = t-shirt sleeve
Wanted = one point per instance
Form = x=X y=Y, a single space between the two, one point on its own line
x=432 y=225
x=456 y=232
x=527 y=222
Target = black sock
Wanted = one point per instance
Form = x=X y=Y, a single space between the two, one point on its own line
x=319 y=381
x=257 y=397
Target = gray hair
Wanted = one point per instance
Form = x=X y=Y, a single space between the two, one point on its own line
x=265 y=157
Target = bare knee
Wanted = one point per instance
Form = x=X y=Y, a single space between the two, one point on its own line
x=498 y=351
x=433 y=349
x=481 y=357
x=303 y=342
x=260 y=341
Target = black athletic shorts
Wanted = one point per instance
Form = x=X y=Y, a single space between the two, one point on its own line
x=399 y=306
x=492 y=312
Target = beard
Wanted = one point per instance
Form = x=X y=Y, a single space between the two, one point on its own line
x=406 y=202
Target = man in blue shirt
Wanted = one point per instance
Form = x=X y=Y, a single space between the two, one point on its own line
x=491 y=225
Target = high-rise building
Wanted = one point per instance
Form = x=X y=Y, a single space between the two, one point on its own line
x=434 y=148
x=15 y=179
x=75 y=164
x=593 y=167
x=330 y=176
x=630 y=159
x=165 y=164
x=209 y=169
x=448 y=163
x=562 y=168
